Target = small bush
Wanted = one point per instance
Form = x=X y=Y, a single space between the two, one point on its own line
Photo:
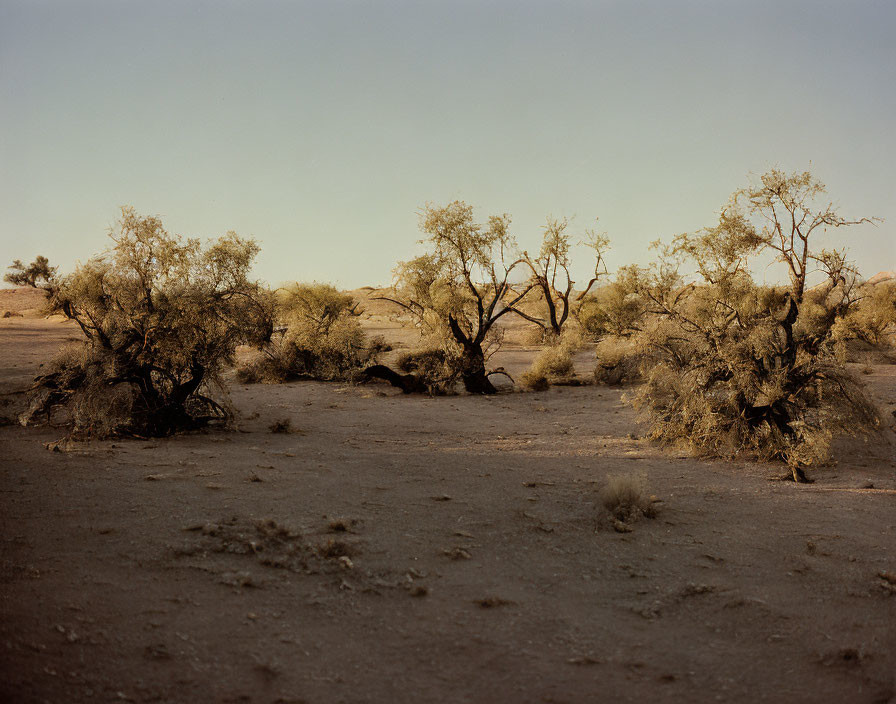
x=553 y=365
x=319 y=338
x=534 y=381
x=626 y=497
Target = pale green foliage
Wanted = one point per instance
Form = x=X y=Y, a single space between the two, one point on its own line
x=162 y=317
x=31 y=275
x=740 y=368
x=432 y=297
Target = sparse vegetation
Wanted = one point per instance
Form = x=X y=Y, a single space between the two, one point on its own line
x=744 y=368
x=317 y=336
x=550 y=277
x=161 y=318
x=729 y=367
x=461 y=288
x=553 y=365
x=626 y=497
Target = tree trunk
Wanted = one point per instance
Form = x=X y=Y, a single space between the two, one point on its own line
x=473 y=373
x=408 y=383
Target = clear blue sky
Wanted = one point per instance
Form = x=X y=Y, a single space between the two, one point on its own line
x=321 y=128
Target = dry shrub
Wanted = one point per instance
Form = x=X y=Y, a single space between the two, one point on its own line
x=319 y=337
x=533 y=335
x=553 y=365
x=283 y=426
x=748 y=369
x=626 y=497
x=740 y=391
x=77 y=389
x=871 y=323
x=438 y=369
x=619 y=361
x=162 y=318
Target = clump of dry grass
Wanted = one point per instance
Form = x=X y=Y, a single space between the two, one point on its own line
x=626 y=497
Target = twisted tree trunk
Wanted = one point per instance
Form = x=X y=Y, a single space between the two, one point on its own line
x=473 y=373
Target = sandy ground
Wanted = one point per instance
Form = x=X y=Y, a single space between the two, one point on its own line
x=411 y=549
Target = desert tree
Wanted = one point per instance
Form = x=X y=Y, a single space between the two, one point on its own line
x=461 y=288
x=616 y=309
x=32 y=275
x=738 y=367
x=549 y=275
x=161 y=318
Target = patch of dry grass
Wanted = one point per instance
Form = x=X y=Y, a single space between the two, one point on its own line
x=626 y=497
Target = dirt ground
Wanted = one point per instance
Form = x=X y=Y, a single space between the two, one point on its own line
x=453 y=549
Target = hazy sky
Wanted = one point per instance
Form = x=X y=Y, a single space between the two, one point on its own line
x=322 y=128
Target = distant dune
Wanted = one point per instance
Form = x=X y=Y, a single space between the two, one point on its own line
x=882 y=276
